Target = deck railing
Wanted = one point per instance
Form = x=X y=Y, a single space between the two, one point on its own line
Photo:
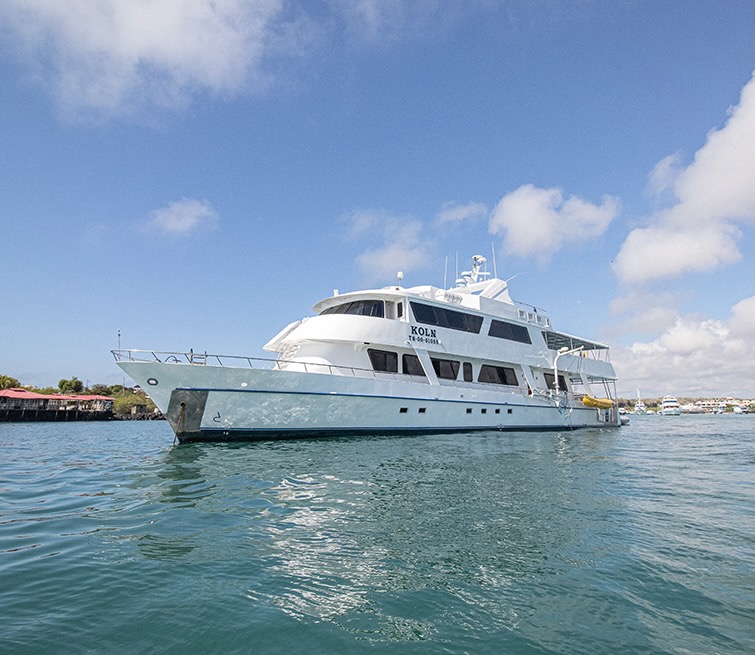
x=236 y=361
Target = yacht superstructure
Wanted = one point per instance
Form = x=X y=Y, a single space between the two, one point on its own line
x=639 y=407
x=670 y=407
x=391 y=360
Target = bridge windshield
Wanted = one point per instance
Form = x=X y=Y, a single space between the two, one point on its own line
x=374 y=308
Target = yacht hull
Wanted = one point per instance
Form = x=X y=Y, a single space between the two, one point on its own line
x=218 y=403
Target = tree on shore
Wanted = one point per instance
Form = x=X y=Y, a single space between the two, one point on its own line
x=74 y=385
x=7 y=382
x=102 y=390
x=125 y=398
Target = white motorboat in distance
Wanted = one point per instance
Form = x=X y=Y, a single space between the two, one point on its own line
x=670 y=407
x=639 y=407
x=392 y=360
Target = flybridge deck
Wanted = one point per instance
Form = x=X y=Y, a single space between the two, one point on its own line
x=473 y=291
x=392 y=359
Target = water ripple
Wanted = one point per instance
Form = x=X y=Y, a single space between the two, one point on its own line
x=618 y=541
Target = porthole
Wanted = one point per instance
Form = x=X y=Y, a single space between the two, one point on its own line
x=152 y=382
x=403 y=410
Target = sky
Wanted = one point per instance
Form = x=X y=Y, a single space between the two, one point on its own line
x=198 y=173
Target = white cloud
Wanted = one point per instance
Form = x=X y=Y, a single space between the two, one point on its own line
x=183 y=217
x=362 y=222
x=645 y=313
x=370 y=18
x=452 y=212
x=742 y=324
x=664 y=174
x=403 y=247
x=375 y=22
x=539 y=222
x=113 y=56
x=694 y=356
x=665 y=250
x=715 y=191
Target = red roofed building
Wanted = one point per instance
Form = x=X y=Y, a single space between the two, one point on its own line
x=24 y=405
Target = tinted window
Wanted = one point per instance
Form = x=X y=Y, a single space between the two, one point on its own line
x=411 y=365
x=467 y=370
x=510 y=331
x=447 y=369
x=551 y=382
x=383 y=360
x=431 y=315
x=374 y=308
x=497 y=375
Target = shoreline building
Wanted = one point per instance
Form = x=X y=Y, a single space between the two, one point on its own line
x=18 y=404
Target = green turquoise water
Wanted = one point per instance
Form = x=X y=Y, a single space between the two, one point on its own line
x=631 y=540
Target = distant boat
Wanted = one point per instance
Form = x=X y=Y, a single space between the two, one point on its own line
x=670 y=407
x=639 y=407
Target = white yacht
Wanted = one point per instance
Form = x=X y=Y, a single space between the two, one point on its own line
x=670 y=407
x=392 y=360
x=639 y=406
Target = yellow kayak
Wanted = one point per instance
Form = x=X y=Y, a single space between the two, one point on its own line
x=601 y=403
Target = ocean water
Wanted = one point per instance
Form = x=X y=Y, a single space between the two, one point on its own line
x=631 y=540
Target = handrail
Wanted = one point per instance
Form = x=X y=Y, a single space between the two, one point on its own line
x=176 y=357
x=172 y=357
x=203 y=359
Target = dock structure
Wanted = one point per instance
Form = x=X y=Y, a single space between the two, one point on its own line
x=19 y=404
